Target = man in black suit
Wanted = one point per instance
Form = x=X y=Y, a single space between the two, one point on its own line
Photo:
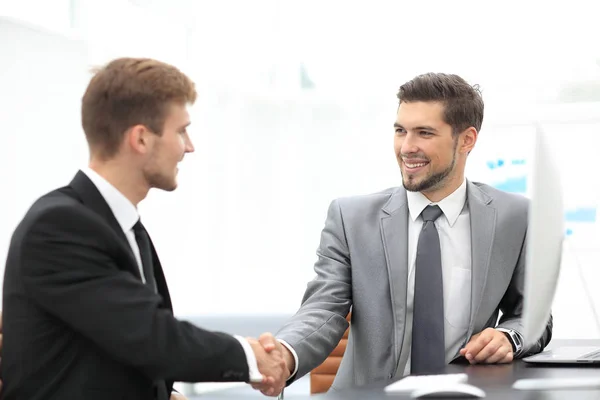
x=87 y=313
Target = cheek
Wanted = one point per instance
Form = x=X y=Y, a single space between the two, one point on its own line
x=178 y=146
x=397 y=145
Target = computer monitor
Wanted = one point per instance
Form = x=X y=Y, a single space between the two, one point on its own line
x=545 y=236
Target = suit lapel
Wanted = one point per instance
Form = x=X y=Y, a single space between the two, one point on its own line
x=483 y=226
x=394 y=232
x=91 y=197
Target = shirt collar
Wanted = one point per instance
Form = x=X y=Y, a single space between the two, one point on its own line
x=451 y=205
x=124 y=211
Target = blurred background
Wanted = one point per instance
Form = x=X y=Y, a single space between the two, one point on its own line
x=296 y=105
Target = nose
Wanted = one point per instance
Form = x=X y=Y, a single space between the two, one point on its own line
x=409 y=144
x=189 y=146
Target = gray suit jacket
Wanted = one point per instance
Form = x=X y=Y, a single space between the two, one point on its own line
x=363 y=263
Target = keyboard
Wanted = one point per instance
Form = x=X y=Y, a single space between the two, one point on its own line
x=595 y=355
x=410 y=383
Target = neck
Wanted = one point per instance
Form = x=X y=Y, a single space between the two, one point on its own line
x=446 y=189
x=125 y=179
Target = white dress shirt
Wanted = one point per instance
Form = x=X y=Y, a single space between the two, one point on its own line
x=127 y=215
x=454 y=230
x=124 y=211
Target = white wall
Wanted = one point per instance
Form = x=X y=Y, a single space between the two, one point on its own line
x=42 y=78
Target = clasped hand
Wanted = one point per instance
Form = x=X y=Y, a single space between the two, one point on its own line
x=271 y=357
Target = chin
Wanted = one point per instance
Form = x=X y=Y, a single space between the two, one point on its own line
x=412 y=185
x=168 y=185
x=171 y=187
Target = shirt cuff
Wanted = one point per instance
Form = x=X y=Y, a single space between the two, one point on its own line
x=253 y=373
x=287 y=345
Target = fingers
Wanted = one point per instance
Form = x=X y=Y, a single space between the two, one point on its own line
x=267 y=390
x=268 y=342
x=269 y=354
x=477 y=343
x=488 y=351
x=463 y=351
x=490 y=347
x=270 y=364
x=508 y=358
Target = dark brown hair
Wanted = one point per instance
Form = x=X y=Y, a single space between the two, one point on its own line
x=127 y=92
x=463 y=105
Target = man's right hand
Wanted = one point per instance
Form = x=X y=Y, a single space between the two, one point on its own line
x=269 y=343
x=272 y=366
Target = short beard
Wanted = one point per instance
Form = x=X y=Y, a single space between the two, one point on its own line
x=434 y=181
x=160 y=181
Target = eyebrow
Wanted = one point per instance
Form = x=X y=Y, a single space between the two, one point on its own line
x=418 y=128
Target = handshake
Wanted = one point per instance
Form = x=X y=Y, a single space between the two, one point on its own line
x=275 y=363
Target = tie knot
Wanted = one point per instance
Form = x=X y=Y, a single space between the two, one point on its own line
x=138 y=227
x=431 y=213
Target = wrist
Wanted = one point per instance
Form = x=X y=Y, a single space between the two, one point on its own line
x=288 y=357
x=513 y=338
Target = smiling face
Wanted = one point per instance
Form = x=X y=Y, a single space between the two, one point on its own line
x=431 y=158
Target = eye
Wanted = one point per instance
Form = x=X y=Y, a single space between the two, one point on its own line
x=426 y=133
x=400 y=131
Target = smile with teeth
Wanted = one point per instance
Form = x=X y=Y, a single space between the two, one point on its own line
x=415 y=165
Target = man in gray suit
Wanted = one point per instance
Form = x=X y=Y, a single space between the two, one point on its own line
x=426 y=268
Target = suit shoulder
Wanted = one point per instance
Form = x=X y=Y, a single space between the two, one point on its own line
x=370 y=199
x=56 y=201
x=59 y=206
x=500 y=197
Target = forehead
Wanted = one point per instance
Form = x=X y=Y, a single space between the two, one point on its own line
x=177 y=114
x=420 y=113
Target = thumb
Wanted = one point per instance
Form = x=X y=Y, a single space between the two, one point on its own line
x=268 y=342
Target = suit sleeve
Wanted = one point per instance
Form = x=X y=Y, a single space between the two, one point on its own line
x=320 y=322
x=68 y=270
x=512 y=307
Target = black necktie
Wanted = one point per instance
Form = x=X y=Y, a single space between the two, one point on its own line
x=143 y=242
x=428 y=351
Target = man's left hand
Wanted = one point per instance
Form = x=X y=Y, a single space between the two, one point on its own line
x=489 y=346
x=177 y=396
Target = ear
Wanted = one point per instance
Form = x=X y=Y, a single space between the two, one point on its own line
x=138 y=139
x=467 y=140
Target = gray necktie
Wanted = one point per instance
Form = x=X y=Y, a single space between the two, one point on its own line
x=428 y=352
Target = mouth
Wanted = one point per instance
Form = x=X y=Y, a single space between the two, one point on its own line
x=414 y=166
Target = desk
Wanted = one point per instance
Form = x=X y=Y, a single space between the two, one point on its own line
x=495 y=380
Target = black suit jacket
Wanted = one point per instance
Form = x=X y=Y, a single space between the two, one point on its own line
x=80 y=324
